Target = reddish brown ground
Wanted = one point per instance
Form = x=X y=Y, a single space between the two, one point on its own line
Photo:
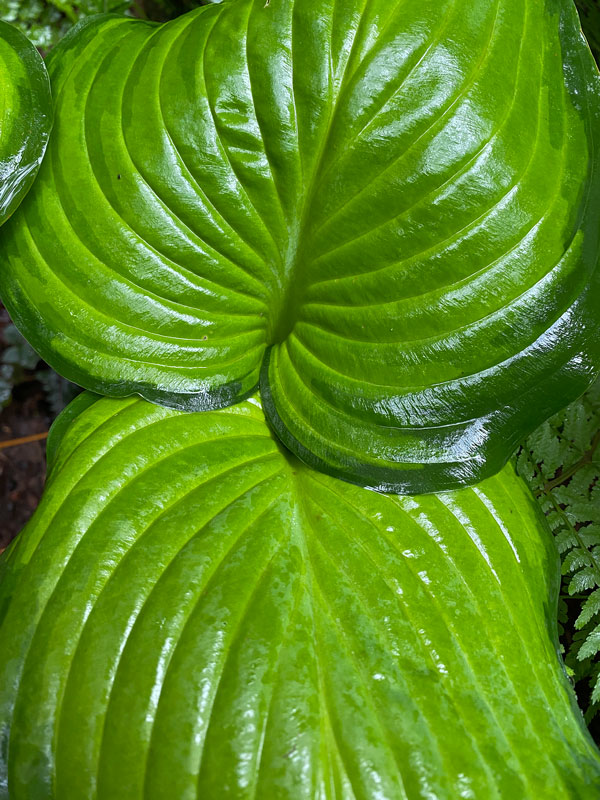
x=23 y=465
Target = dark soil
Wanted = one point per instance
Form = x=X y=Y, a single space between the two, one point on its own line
x=22 y=465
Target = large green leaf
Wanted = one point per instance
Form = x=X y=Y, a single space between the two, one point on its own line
x=25 y=116
x=193 y=613
x=392 y=206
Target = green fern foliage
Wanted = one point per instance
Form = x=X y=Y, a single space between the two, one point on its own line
x=561 y=462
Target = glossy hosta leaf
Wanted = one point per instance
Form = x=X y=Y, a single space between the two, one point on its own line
x=194 y=613
x=25 y=116
x=392 y=206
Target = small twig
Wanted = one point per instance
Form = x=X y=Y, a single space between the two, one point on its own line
x=586 y=458
x=574 y=596
x=36 y=437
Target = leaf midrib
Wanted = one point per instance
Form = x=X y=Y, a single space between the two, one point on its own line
x=294 y=287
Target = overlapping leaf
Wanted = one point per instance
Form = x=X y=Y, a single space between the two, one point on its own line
x=392 y=206
x=193 y=613
x=25 y=116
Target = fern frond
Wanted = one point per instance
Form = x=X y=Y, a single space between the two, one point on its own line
x=591 y=607
x=591 y=646
x=561 y=463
